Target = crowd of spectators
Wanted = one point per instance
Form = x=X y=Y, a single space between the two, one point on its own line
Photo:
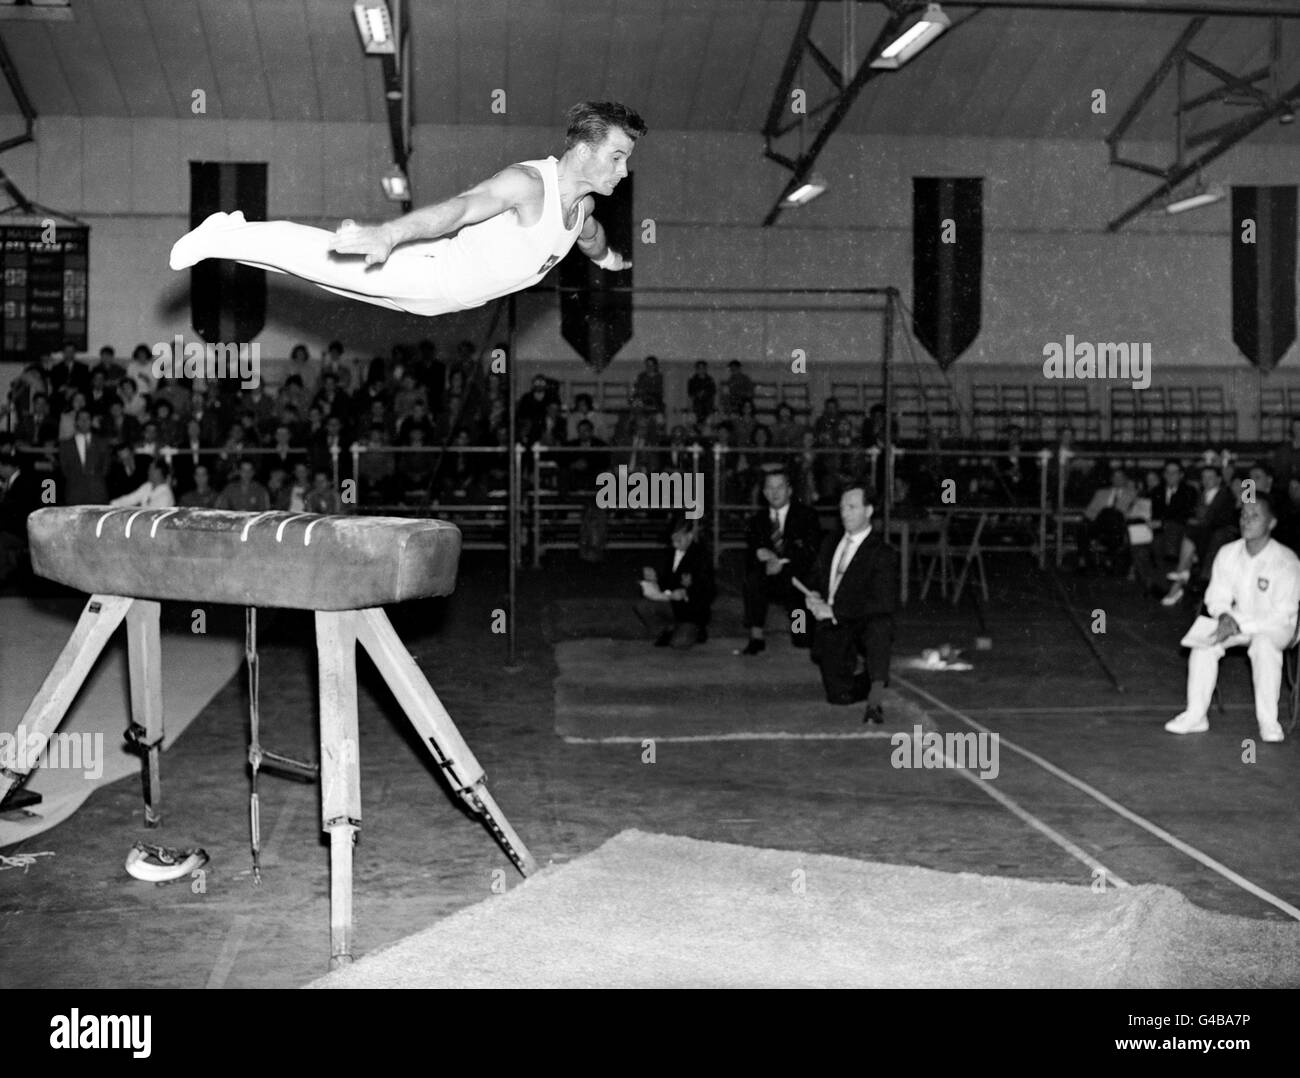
x=115 y=433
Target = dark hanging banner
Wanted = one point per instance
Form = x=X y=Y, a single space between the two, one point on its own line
x=227 y=300
x=1263 y=272
x=947 y=263
x=598 y=322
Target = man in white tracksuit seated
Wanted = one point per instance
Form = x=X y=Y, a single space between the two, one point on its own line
x=1252 y=599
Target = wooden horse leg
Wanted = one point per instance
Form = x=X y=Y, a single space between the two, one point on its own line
x=436 y=729
x=99 y=619
x=340 y=768
x=144 y=657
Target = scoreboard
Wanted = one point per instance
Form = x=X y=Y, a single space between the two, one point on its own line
x=43 y=304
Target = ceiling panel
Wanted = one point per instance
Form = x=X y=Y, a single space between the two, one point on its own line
x=186 y=63
x=689 y=64
x=284 y=41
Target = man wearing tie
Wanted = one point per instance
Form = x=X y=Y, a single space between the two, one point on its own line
x=782 y=544
x=858 y=575
x=84 y=461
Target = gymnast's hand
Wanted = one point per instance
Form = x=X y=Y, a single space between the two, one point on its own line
x=373 y=241
x=613 y=262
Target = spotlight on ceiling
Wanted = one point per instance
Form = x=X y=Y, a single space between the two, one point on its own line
x=1201 y=196
x=397 y=188
x=928 y=25
x=801 y=192
x=375 y=24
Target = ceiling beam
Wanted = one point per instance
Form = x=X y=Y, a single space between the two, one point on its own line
x=840 y=102
x=1242 y=128
x=1239 y=9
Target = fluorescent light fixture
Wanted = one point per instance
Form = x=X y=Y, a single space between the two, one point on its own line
x=1202 y=196
x=804 y=191
x=396 y=186
x=930 y=24
x=375 y=24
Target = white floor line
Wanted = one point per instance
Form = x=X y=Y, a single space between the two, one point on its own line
x=1033 y=821
x=1110 y=803
x=858 y=735
x=1100 y=709
x=229 y=951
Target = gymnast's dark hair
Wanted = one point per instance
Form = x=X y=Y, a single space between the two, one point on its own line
x=590 y=121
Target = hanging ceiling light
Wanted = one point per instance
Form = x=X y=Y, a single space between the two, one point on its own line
x=928 y=25
x=803 y=191
x=375 y=24
x=1200 y=196
x=397 y=188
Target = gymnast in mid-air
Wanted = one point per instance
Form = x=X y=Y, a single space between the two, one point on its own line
x=500 y=236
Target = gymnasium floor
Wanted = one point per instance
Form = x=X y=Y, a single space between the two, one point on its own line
x=75 y=919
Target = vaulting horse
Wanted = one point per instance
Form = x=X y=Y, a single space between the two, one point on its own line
x=344 y=568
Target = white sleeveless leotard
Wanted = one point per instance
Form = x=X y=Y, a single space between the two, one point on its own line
x=498 y=256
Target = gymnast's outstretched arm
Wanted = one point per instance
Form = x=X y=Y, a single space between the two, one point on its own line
x=510 y=189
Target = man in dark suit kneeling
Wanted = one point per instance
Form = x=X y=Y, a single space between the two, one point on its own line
x=781 y=545
x=857 y=573
x=677 y=598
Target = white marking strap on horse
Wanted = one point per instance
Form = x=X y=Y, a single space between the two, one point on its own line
x=153 y=531
x=279 y=532
x=99 y=524
x=306 y=536
x=131 y=520
x=243 y=537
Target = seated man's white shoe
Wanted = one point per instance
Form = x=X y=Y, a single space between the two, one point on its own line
x=1187 y=723
x=1174 y=597
x=1272 y=733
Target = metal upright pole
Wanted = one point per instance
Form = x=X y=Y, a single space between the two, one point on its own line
x=512 y=523
x=887 y=385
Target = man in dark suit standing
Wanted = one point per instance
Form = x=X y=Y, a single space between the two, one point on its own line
x=20 y=496
x=69 y=376
x=781 y=543
x=857 y=574
x=1172 y=504
x=1212 y=525
x=84 y=461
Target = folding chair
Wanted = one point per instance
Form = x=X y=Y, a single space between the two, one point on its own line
x=1123 y=414
x=1222 y=422
x=1045 y=412
x=1272 y=414
x=1180 y=416
x=849 y=394
x=939 y=553
x=974 y=556
x=984 y=411
x=795 y=394
x=1078 y=412
x=1151 y=414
